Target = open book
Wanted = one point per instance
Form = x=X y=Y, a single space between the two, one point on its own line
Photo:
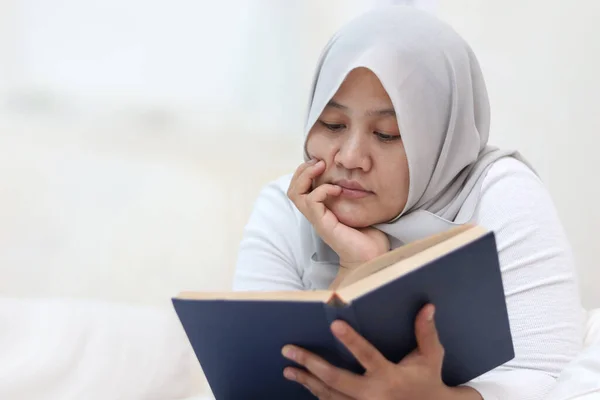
x=238 y=336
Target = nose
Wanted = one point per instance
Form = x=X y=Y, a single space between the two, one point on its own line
x=353 y=151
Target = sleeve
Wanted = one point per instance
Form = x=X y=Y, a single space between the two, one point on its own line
x=267 y=253
x=541 y=289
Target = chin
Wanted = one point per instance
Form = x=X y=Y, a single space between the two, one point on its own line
x=352 y=213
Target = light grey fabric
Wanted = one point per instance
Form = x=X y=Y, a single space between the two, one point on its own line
x=437 y=88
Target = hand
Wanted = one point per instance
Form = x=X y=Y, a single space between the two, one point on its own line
x=353 y=246
x=417 y=376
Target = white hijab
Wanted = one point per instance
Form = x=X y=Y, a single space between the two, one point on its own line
x=436 y=86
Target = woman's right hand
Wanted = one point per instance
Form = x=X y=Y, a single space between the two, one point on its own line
x=353 y=246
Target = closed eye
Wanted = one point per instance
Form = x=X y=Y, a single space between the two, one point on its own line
x=332 y=127
x=386 y=138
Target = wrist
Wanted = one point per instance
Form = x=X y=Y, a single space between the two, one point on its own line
x=350 y=264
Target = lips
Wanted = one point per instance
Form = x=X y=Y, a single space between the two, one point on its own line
x=352 y=189
x=353 y=185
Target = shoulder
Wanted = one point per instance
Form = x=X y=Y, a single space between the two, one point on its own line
x=510 y=169
x=515 y=204
x=281 y=184
x=274 y=214
x=512 y=191
x=270 y=252
x=273 y=197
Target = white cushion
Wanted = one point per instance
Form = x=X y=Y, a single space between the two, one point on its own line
x=592 y=334
x=580 y=380
x=76 y=349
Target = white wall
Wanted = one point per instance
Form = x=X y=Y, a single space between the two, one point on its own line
x=181 y=56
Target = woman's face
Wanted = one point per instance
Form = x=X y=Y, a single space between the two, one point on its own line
x=357 y=136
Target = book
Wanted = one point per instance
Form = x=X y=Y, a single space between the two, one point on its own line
x=238 y=336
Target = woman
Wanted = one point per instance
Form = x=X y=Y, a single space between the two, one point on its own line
x=396 y=149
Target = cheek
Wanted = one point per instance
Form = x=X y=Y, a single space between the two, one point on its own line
x=395 y=182
x=318 y=145
x=401 y=188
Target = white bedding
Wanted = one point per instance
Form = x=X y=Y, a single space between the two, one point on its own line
x=75 y=349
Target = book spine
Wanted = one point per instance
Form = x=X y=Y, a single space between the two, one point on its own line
x=344 y=312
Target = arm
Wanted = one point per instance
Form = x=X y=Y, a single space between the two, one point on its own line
x=266 y=257
x=539 y=282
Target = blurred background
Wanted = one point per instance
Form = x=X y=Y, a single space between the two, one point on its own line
x=135 y=135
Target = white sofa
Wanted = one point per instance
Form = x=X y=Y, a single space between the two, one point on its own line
x=98 y=231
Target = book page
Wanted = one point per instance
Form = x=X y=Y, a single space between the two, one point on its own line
x=314 y=295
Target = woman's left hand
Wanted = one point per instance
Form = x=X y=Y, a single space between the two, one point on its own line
x=417 y=376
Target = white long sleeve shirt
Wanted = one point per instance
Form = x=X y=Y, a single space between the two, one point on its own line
x=538 y=273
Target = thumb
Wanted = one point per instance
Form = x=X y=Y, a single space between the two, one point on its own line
x=427 y=336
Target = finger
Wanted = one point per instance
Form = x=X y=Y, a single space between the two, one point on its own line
x=303 y=182
x=323 y=191
x=366 y=354
x=302 y=167
x=316 y=386
x=427 y=336
x=339 y=379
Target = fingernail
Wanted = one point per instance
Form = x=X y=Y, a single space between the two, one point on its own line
x=431 y=314
x=339 y=328
x=289 y=374
x=312 y=161
x=288 y=352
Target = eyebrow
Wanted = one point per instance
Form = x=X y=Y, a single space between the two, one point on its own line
x=386 y=112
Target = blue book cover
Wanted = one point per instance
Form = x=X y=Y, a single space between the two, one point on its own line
x=237 y=337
